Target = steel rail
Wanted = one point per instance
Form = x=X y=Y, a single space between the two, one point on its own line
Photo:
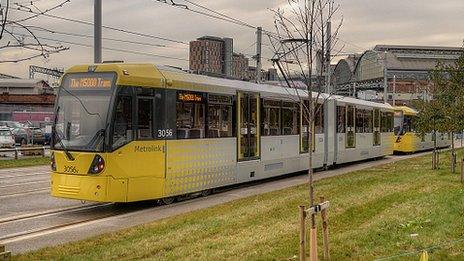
x=50 y=212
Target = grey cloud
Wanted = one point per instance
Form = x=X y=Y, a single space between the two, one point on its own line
x=366 y=23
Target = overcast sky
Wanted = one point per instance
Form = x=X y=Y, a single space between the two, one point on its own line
x=366 y=23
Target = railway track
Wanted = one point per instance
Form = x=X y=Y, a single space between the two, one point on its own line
x=47 y=213
x=24 y=193
x=19 y=227
x=35 y=174
x=22 y=235
x=25 y=183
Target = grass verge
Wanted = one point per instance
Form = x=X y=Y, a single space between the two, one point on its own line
x=383 y=211
x=27 y=162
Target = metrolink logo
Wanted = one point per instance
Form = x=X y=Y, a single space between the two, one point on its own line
x=151 y=148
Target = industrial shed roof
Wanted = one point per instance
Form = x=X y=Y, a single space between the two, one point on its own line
x=21 y=83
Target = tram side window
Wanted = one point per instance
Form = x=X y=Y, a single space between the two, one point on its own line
x=304 y=135
x=219 y=116
x=122 y=133
x=360 y=121
x=290 y=117
x=271 y=118
x=387 y=122
x=383 y=121
x=319 y=119
x=190 y=121
x=341 y=111
x=368 y=121
x=408 y=124
x=145 y=118
x=390 y=123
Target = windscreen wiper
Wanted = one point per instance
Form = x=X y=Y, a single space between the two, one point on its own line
x=100 y=133
x=68 y=154
x=56 y=136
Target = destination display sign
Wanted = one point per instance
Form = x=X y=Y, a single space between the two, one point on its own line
x=90 y=81
x=189 y=97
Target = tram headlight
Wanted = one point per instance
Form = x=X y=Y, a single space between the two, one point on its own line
x=52 y=162
x=98 y=165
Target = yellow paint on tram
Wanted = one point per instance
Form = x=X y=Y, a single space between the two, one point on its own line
x=134 y=172
x=407 y=140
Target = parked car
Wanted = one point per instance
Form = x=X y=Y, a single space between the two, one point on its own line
x=6 y=138
x=38 y=136
x=22 y=135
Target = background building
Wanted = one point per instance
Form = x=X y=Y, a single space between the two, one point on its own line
x=271 y=75
x=214 y=56
x=239 y=66
x=211 y=55
x=19 y=95
x=406 y=69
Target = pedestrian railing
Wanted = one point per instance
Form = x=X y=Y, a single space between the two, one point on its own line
x=26 y=151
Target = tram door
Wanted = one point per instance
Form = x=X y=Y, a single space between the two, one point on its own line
x=248 y=124
x=376 y=125
x=350 y=126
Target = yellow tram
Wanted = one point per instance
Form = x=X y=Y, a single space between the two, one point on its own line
x=131 y=132
x=407 y=140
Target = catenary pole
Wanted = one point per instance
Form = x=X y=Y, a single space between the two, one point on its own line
x=97 y=31
x=394 y=90
x=328 y=57
x=259 y=38
x=385 y=78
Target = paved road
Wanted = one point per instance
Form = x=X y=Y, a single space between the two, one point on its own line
x=27 y=190
x=31 y=219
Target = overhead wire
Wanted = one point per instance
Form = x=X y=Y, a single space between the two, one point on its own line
x=104 y=38
x=126 y=31
x=109 y=48
x=31 y=3
x=221 y=14
x=216 y=14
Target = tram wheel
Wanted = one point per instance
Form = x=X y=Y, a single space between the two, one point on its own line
x=206 y=192
x=168 y=200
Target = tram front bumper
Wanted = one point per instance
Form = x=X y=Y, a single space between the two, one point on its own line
x=91 y=188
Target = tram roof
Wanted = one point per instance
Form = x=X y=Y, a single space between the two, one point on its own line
x=406 y=110
x=154 y=75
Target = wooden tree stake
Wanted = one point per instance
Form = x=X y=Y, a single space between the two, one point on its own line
x=302 y=233
x=462 y=170
x=325 y=232
x=438 y=159
x=313 y=244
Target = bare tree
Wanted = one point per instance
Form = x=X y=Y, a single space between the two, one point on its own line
x=15 y=35
x=301 y=44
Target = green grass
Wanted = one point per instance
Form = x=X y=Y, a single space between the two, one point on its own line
x=374 y=213
x=27 y=162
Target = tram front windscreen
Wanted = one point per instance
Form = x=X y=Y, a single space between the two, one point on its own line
x=82 y=110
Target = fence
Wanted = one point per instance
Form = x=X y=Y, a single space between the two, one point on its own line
x=25 y=151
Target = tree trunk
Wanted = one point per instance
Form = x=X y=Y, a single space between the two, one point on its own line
x=434 y=154
x=453 y=154
x=310 y=158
